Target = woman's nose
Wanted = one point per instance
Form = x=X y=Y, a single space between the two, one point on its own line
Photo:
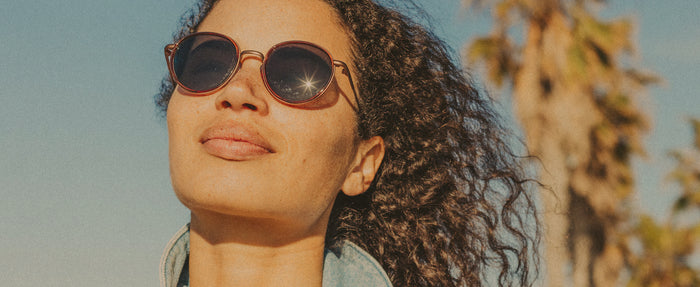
x=245 y=90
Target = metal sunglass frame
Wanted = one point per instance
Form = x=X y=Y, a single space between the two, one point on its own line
x=171 y=48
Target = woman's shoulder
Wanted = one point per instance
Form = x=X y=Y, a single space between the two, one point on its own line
x=349 y=265
x=345 y=264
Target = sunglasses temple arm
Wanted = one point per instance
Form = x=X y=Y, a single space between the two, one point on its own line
x=168 y=50
x=346 y=71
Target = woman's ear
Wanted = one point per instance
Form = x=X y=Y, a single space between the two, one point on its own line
x=367 y=161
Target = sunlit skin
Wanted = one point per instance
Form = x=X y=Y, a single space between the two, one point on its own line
x=258 y=175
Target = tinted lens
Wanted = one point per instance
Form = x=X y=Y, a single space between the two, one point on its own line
x=203 y=62
x=298 y=72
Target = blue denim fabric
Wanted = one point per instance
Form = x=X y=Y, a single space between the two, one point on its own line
x=174 y=258
x=347 y=266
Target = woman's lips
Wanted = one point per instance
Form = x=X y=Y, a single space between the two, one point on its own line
x=234 y=141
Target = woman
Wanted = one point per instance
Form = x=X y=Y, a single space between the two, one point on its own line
x=334 y=143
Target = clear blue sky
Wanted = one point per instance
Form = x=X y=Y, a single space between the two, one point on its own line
x=86 y=196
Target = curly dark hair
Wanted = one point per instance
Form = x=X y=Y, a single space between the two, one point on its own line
x=451 y=203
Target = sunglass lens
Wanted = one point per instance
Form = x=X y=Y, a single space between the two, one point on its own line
x=203 y=62
x=298 y=72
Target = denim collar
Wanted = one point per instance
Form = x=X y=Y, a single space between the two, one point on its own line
x=349 y=265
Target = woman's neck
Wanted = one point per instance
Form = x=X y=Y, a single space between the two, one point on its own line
x=234 y=251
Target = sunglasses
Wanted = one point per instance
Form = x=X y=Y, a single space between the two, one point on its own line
x=294 y=72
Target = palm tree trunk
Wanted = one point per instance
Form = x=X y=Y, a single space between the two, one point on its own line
x=527 y=104
x=557 y=117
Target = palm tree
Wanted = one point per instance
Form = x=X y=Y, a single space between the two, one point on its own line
x=574 y=95
x=666 y=248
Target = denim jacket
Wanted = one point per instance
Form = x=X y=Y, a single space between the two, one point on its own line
x=348 y=266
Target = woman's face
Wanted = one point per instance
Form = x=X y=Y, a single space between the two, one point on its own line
x=241 y=152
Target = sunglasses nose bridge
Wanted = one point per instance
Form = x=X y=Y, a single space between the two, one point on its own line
x=252 y=53
x=243 y=55
x=249 y=53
